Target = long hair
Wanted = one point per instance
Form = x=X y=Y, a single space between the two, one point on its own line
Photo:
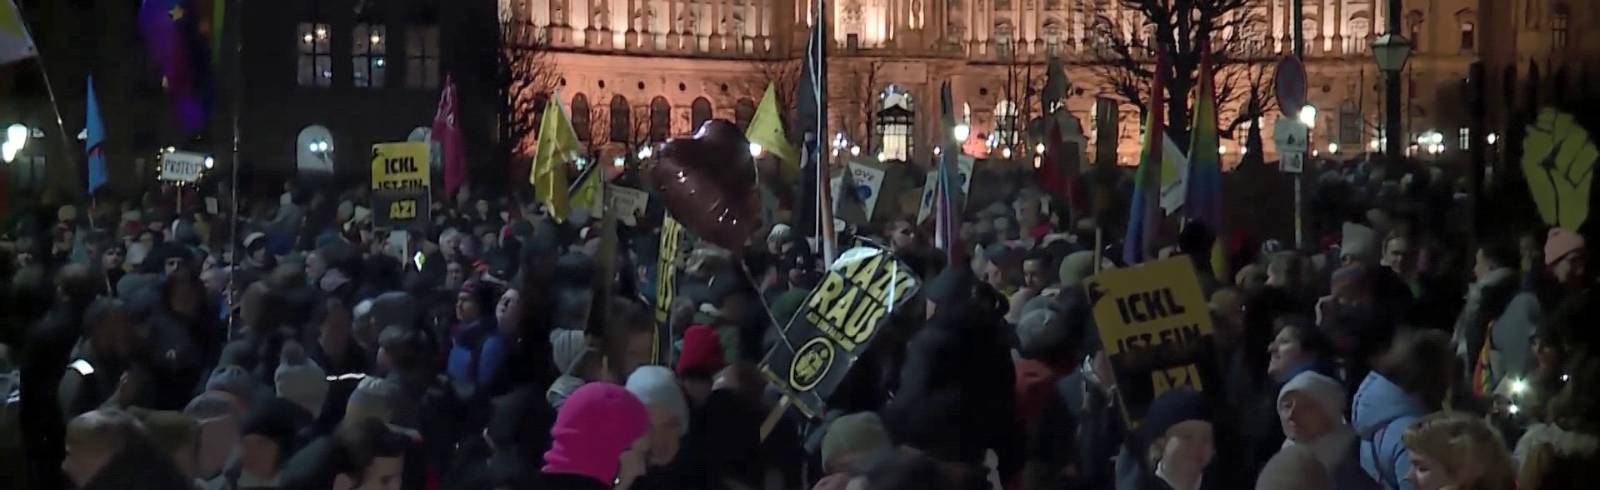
x=1464 y=446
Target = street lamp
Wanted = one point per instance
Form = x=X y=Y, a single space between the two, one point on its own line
x=1308 y=116
x=755 y=149
x=1333 y=148
x=1005 y=152
x=645 y=152
x=961 y=132
x=1391 y=51
x=16 y=138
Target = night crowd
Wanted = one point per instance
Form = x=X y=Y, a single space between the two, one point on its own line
x=154 y=344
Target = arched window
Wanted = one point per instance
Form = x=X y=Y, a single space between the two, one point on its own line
x=895 y=123
x=699 y=113
x=621 y=120
x=580 y=117
x=660 y=119
x=1005 y=122
x=743 y=112
x=1468 y=37
x=1559 y=28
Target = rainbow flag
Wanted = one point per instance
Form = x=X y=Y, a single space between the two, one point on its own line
x=1144 y=215
x=1203 y=201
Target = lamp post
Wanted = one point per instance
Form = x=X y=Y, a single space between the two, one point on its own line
x=1392 y=50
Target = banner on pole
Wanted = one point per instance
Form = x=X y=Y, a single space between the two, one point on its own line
x=1156 y=327
x=930 y=186
x=666 y=286
x=868 y=180
x=400 y=184
x=182 y=166
x=628 y=203
x=854 y=301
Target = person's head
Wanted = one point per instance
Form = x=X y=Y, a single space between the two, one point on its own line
x=903 y=235
x=300 y=380
x=599 y=425
x=402 y=349
x=1075 y=268
x=1251 y=278
x=699 y=360
x=371 y=400
x=1458 y=452
x=450 y=244
x=656 y=387
x=474 y=299
x=176 y=434
x=1353 y=285
x=1311 y=406
x=337 y=321
x=255 y=246
x=508 y=312
x=778 y=238
x=1179 y=433
x=316 y=266
x=1421 y=362
x=1045 y=334
x=1399 y=254
x=851 y=439
x=1359 y=246
x=111 y=258
x=1227 y=308
x=1036 y=271
x=1297 y=344
x=93 y=438
x=109 y=326
x=1285 y=270
x=455 y=274
x=629 y=336
x=1294 y=467
x=368 y=455
x=1492 y=257
x=1567 y=258
x=267 y=434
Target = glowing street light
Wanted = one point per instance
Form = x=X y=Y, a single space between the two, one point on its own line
x=1039 y=148
x=855 y=150
x=210 y=162
x=1493 y=138
x=1333 y=148
x=645 y=152
x=618 y=161
x=961 y=132
x=1308 y=116
x=1222 y=149
x=755 y=149
x=1005 y=152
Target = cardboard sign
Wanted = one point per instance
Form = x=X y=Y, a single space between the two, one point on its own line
x=400 y=167
x=629 y=204
x=666 y=286
x=1155 y=325
x=868 y=181
x=182 y=166
x=930 y=186
x=852 y=303
x=400 y=183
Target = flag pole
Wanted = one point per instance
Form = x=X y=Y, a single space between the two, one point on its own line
x=233 y=214
x=50 y=90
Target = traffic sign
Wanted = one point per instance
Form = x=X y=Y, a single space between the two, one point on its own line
x=1289 y=81
x=1289 y=136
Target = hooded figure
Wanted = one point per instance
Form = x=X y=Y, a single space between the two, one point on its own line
x=1311 y=408
x=598 y=428
x=1380 y=414
x=1172 y=447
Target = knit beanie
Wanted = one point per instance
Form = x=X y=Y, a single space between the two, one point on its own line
x=1360 y=242
x=1171 y=408
x=566 y=346
x=279 y=420
x=1559 y=244
x=702 y=353
x=1019 y=302
x=1075 y=268
x=235 y=381
x=1040 y=331
x=301 y=381
x=1327 y=392
x=658 y=389
x=859 y=433
x=371 y=398
x=595 y=426
x=1294 y=468
x=952 y=286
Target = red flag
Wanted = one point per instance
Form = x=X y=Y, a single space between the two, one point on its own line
x=447 y=132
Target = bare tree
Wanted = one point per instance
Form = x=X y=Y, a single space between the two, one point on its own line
x=857 y=120
x=784 y=75
x=1124 y=54
x=527 y=79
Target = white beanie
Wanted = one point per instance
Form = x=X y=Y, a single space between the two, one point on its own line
x=303 y=382
x=658 y=389
x=1359 y=242
x=566 y=346
x=1328 y=392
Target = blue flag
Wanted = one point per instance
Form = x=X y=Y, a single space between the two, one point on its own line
x=95 y=127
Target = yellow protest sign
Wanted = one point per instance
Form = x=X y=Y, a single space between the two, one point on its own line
x=1558 y=159
x=1156 y=328
x=400 y=166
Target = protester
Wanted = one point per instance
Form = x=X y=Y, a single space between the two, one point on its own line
x=1407 y=383
x=599 y=439
x=1173 y=446
x=1311 y=408
x=109 y=449
x=1451 y=451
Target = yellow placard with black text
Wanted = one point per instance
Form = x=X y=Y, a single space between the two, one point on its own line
x=400 y=184
x=1155 y=326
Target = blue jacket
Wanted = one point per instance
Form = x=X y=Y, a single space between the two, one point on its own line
x=1380 y=415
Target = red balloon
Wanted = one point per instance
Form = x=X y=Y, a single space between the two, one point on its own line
x=710 y=184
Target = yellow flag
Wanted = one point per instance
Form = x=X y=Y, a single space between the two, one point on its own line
x=15 y=43
x=766 y=129
x=588 y=194
x=558 y=144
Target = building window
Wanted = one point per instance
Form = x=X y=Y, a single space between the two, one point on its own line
x=660 y=119
x=1005 y=122
x=621 y=120
x=422 y=56
x=895 y=123
x=1468 y=36
x=1464 y=138
x=1350 y=130
x=1558 y=30
x=316 y=55
x=368 y=66
x=699 y=112
x=743 y=112
x=580 y=117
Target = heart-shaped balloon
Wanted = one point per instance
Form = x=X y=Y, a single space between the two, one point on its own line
x=710 y=183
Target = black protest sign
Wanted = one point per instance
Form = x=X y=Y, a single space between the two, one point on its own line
x=1156 y=328
x=838 y=320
